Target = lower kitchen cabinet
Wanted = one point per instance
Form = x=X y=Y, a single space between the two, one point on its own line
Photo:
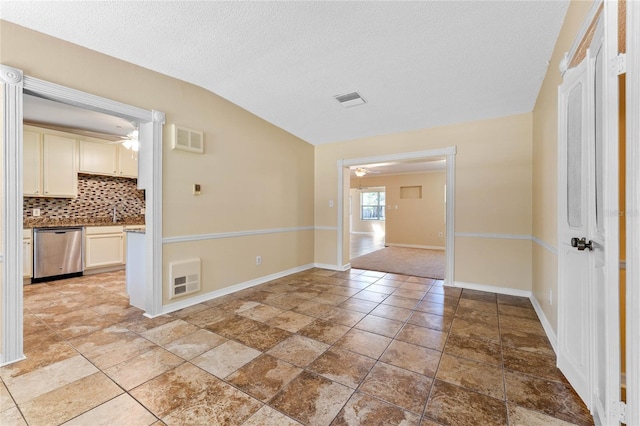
x=104 y=246
x=27 y=254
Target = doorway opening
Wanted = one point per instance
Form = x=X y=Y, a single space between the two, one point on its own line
x=350 y=203
x=15 y=86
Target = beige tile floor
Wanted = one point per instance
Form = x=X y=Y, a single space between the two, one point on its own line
x=317 y=348
x=361 y=244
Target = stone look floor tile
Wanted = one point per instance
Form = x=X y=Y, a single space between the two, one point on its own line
x=398 y=386
x=290 y=321
x=324 y=331
x=226 y=358
x=519 y=416
x=298 y=350
x=267 y=416
x=363 y=409
x=194 y=344
x=111 y=346
x=263 y=377
x=169 y=332
x=450 y=404
x=364 y=343
x=312 y=399
x=392 y=312
x=343 y=317
x=38 y=382
x=474 y=349
x=412 y=357
x=221 y=405
x=122 y=410
x=379 y=325
x=471 y=375
x=342 y=366
x=533 y=364
x=146 y=366
x=12 y=417
x=73 y=326
x=552 y=398
x=69 y=401
x=180 y=387
x=422 y=336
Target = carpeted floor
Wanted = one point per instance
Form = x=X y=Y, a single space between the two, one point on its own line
x=402 y=260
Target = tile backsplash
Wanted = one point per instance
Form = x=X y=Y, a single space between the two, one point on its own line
x=96 y=197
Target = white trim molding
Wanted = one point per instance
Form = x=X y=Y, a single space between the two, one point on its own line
x=416 y=246
x=12 y=81
x=551 y=335
x=548 y=247
x=492 y=235
x=176 y=306
x=493 y=289
x=325 y=228
x=221 y=235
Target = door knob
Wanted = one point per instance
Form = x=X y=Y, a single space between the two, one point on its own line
x=581 y=244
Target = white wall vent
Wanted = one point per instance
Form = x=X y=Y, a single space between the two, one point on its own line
x=184 y=277
x=187 y=139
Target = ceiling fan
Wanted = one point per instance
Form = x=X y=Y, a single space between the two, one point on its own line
x=361 y=171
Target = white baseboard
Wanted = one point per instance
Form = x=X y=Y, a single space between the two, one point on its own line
x=103 y=270
x=415 y=246
x=493 y=289
x=551 y=335
x=176 y=306
x=2 y=364
x=363 y=233
x=333 y=267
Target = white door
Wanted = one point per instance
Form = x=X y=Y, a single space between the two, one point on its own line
x=588 y=320
x=574 y=285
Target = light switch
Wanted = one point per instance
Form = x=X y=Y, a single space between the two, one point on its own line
x=196 y=189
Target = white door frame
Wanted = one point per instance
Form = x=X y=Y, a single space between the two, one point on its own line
x=633 y=213
x=450 y=155
x=14 y=84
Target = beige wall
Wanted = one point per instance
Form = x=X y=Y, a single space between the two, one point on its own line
x=254 y=176
x=545 y=167
x=493 y=192
x=415 y=222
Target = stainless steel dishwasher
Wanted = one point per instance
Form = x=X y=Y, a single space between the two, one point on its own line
x=57 y=252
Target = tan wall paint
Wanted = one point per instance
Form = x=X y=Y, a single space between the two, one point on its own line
x=415 y=221
x=493 y=187
x=253 y=175
x=545 y=167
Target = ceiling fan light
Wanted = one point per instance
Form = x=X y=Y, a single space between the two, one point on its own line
x=360 y=171
x=131 y=144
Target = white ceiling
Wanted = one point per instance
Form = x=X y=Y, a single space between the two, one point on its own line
x=418 y=64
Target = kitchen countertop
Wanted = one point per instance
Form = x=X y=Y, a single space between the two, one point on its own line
x=46 y=222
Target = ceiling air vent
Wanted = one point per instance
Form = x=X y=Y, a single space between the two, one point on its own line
x=350 y=99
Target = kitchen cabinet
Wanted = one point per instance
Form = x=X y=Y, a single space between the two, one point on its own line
x=32 y=159
x=104 y=246
x=127 y=162
x=98 y=158
x=59 y=166
x=50 y=164
x=107 y=158
x=27 y=254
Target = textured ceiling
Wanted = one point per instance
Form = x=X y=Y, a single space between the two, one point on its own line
x=418 y=64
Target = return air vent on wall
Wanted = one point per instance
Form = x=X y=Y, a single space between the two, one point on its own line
x=350 y=99
x=187 y=139
x=184 y=277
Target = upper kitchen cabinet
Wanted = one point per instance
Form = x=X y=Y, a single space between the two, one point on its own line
x=107 y=158
x=50 y=164
x=59 y=167
x=127 y=162
x=32 y=154
x=98 y=158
